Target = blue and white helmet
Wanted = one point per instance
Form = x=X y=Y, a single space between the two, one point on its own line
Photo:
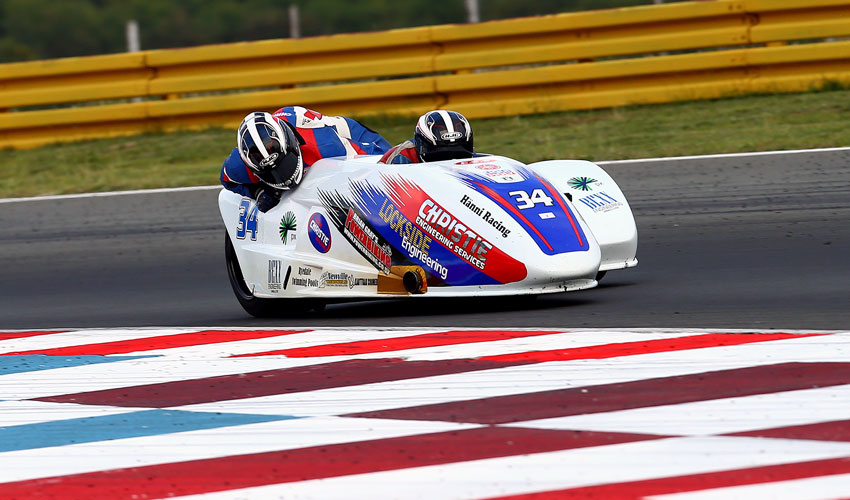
x=443 y=135
x=271 y=150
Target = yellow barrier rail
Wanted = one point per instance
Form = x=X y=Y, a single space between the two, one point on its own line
x=658 y=53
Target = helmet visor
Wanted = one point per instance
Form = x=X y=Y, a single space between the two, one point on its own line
x=445 y=152
x=285 y=171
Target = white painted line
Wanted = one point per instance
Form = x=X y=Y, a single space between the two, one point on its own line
x=608 y=162
x=130 y=373
x=197 y=363
x=722 y=155
x=110 y=193
x=487 y=383
x=34 y=412
x=717 y=416
x=537 y=377
x=532 y=378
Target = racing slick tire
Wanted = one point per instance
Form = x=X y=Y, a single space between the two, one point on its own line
x=257 y=306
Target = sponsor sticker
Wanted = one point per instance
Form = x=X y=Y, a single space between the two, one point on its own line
x=274 y=276
x=493 y=172
x=320 y=233
x=601 y=202
x=413 y=240
x=353 y=223
x=365 y=282
x=583 y=183
x=334 y=279
x=306 y=277
x=386 y=227
x=345 y=280
x=365 y=239
x=474 y=161
x=486 y=215
x=287 y=227
x=508 y=179
x=449 y=231
x=468 y=257
x=499 y=173
x=270 y=159
x=305 y=271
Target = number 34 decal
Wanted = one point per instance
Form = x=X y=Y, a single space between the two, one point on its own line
x=247 y=220
x=523 y=200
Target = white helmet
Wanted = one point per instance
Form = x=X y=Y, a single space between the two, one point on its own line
x=443 y=135
x=271 y=150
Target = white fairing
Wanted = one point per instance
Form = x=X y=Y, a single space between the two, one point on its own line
x=485 y=226
x=602 y=205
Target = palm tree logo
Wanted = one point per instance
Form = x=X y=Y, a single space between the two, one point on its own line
x=581 y=183
x=287 y=224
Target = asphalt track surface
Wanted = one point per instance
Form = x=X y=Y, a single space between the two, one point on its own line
x=757 y=241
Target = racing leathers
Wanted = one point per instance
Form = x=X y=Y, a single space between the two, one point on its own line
x=405 y=152
x=323 y=137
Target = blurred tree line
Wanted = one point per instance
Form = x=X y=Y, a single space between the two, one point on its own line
x=44 y=29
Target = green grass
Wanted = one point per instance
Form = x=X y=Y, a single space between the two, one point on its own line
x=754 y=123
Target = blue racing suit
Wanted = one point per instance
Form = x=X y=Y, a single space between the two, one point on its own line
x=324 y=137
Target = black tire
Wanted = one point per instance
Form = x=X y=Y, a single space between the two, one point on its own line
x=255 y=306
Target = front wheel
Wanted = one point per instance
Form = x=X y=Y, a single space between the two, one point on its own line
x=257 y=306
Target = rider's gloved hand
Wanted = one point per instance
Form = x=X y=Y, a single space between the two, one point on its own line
x=267 y=199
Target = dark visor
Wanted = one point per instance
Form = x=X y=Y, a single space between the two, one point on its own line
x=446 y=153
x=283 y=170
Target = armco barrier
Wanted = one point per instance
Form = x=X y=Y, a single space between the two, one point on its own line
x=658 y=53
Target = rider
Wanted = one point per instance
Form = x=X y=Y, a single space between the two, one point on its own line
x=439 y=135
x=272 y=151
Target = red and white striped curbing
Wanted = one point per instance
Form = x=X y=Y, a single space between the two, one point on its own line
x=428 y=413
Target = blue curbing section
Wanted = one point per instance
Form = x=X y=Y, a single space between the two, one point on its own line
x=121 y=426
x=36 y=362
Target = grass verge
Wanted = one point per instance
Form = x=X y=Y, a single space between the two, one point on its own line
x=753 y=123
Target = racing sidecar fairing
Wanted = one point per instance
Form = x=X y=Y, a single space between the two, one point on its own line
x=482 y=226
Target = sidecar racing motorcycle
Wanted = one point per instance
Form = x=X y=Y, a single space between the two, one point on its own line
x=483 y=226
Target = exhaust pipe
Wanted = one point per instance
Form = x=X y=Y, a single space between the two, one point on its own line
x=403 y=280
x=412 y=282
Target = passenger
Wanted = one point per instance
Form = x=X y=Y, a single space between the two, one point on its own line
x=272 y=150
x=439 y=135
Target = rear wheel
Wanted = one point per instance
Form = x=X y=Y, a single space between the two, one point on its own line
x=257 y=306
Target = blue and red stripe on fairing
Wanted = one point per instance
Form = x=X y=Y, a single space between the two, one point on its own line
x=544 y=223
x=458 y=258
